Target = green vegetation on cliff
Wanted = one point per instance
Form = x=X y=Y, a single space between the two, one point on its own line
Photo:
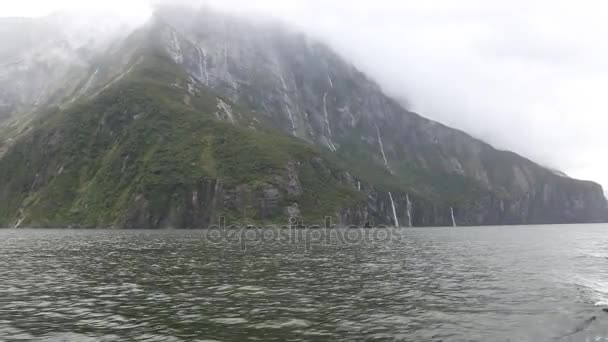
x=145 y=145
x=185 y=121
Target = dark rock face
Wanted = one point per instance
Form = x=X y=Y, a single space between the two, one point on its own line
x=327 y=141
x=204 y=206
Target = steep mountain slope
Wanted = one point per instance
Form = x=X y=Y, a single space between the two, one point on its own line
x=313 y=94
x=150 y=152
x=51 y=62
x=200 y=115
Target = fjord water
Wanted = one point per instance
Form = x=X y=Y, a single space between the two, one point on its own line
x=440 y=284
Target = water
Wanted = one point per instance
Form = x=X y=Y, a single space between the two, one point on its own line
x=453 y=284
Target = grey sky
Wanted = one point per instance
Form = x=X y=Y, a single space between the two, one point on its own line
x=524 y=75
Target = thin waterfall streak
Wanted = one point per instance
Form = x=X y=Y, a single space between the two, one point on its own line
x=409 y=210
x=293 y=124
x=176 y=50
x=201 y=74
x=286 y=100
x=229 y=77
x=283 y=82
x=329 y=134
x=382 y=150
x=202 y=64
x=390 y=195
x=226 y=55
x=453 y=218
x=89 y=82
x=205 y=65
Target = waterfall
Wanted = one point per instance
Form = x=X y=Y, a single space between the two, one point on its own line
x=89 y=82
x=409 y=210
x=453 y=218
x=331 y=83
x=19 y=222
x=359 y=185
x=201 y=73
x=293 y=124
x=228 y=76
x=382 y=150
x=286 y=100
x=175 y=49
x=202 y=64
x=225 y=55
x=353 y=121
x=119 y=77
x=332 y=147
x=390 y=195
x=283 y=82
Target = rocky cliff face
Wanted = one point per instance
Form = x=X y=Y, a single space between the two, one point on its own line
x=311 y=93
x=368 y=158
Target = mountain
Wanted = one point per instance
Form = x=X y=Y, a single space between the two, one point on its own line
x=42 y=61
x=199 y=115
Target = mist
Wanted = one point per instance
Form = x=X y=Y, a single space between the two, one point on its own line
x=526 y=76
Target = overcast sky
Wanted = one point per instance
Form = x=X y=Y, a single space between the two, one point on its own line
x=525 y=75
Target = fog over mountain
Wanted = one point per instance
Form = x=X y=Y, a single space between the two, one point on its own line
x=524 y=75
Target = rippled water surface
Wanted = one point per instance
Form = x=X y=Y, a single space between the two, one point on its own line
x=463 y=284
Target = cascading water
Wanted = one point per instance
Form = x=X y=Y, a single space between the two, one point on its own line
x=89 y=82
x=286 y=100
x=293 y=124
x=202 y=64
x=332 y=147
x=226 y=69
x=382 y=150
x=390 y=195
x=283 y=83
x=225 y=55
x=175 y=49
x=409 y=210
x=453 y=218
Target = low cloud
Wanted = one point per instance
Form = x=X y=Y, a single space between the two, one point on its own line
x=527 y=76
x=524 y=75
